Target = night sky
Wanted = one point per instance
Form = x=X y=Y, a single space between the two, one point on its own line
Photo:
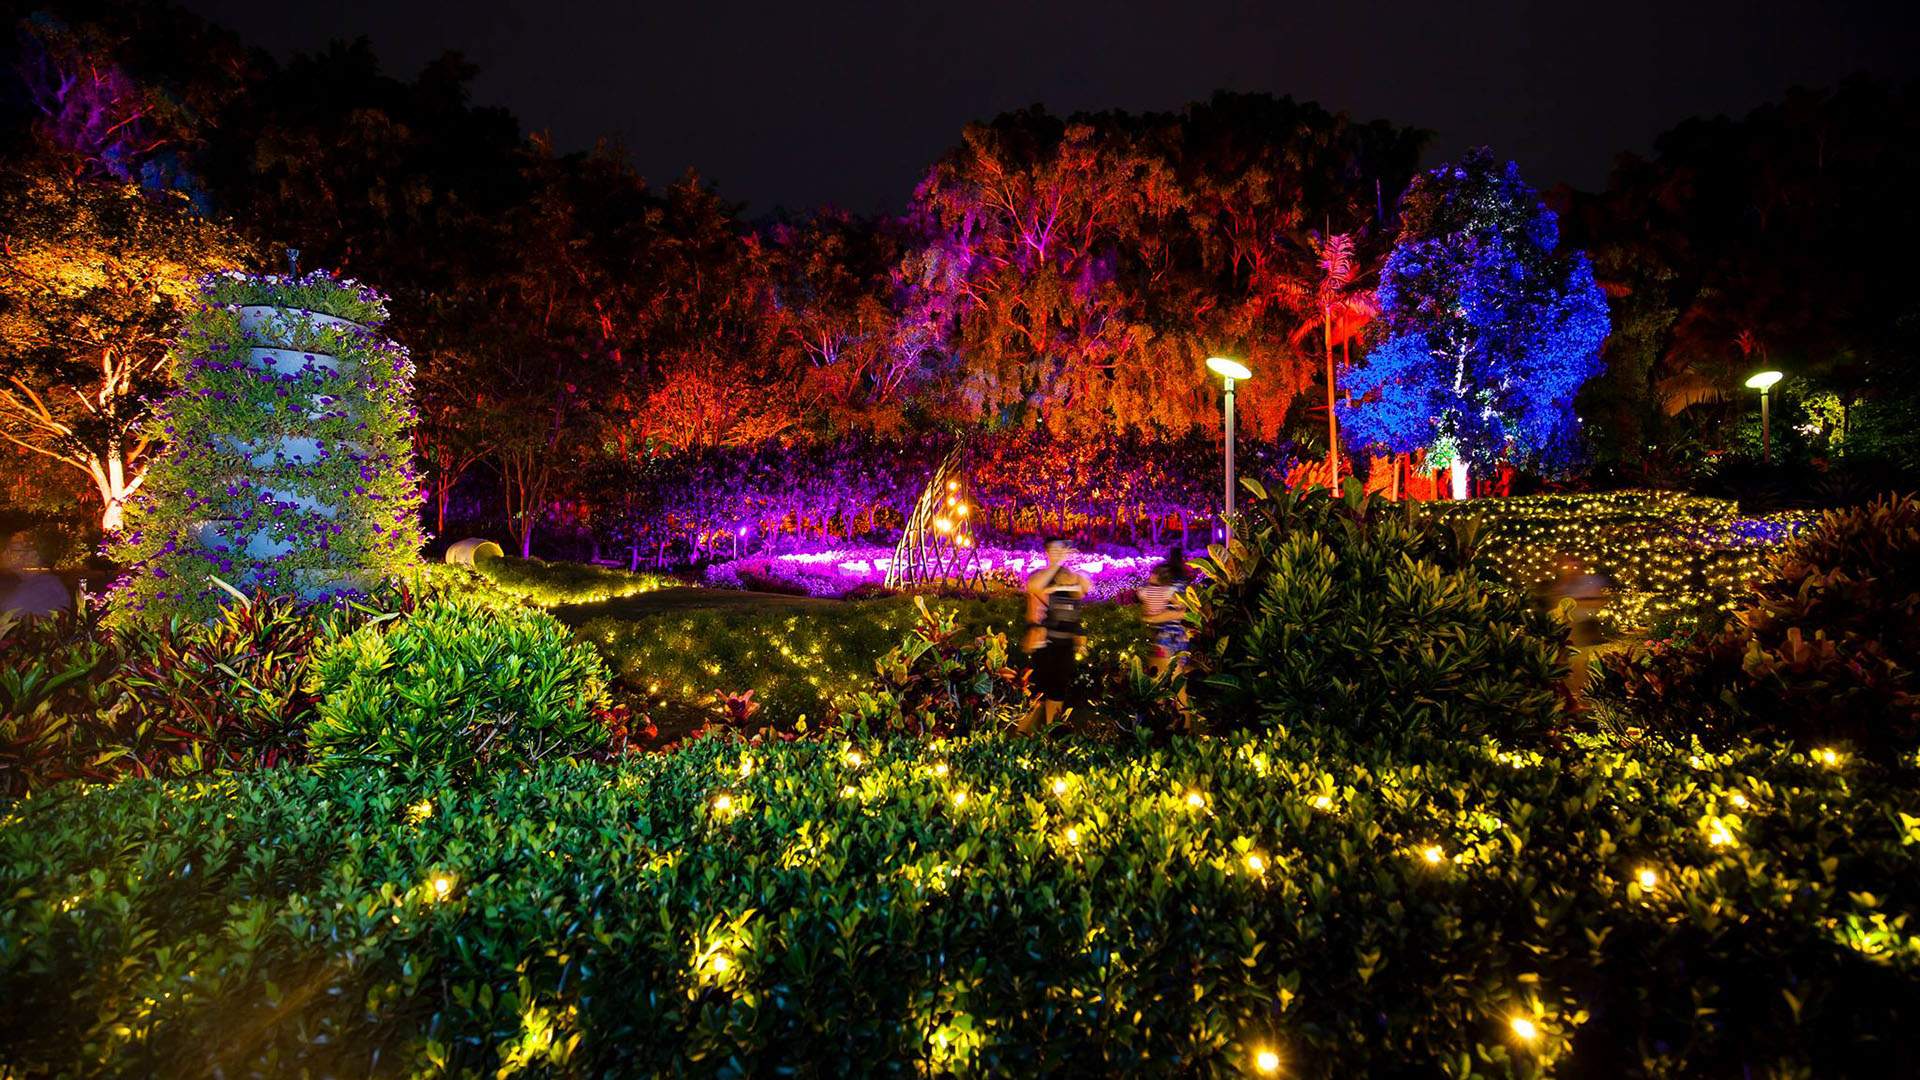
x=800 y=104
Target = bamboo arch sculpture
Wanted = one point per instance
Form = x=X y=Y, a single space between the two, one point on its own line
x=937 y=546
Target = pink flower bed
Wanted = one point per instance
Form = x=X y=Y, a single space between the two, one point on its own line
x=840 y=571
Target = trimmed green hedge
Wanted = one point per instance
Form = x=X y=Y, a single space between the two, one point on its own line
x=551 y=584
x=988 y=906
x=798 y=660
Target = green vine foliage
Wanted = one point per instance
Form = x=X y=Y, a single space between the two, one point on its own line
x=288 y=465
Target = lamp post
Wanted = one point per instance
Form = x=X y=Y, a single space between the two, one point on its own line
x=1763 y=381
x=1232 y=371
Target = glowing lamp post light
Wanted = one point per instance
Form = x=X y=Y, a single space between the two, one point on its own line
x=1232 y=371
x=1763 y=381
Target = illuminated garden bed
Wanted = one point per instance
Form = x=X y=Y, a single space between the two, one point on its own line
x=1293 y=903
x=848 y=570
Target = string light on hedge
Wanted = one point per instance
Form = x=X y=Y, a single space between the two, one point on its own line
x=1256 y=864
x=1647 y=877
x=723 y=804
x=1196 y=801
x=1829 y=757
x=440 y=886
x=1523 y=1028
x=1739 y=800
x=854 y=758
x=1323 y=803
x=1059 y=785
x=1073 y=835
x=1434 y=854
x=1266 y=1061
x=960 y=798
x=1719 y=835
x=940 y=769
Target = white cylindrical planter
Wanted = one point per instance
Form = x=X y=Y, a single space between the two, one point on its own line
x=272 y=465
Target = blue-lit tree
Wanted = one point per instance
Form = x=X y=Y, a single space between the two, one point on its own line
x=1487 y=330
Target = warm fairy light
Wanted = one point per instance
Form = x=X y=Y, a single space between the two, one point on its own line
x=854 y=758
x=1525 y=1028
x=939 y=768
x=1738 y=800
x=1196 y=800
x=1647 y=876
x=944 y=524
x=723 y=803
x=1322 y=802
x=849 y=791
x=960 y=798
x=1828 y=756
x=721 y=963
x=1266 y=1062
x=1256 y=863
x=1433 y=853
x=442 y=886
x=1073 y=835
x=1059 y=786
x=1718 y=835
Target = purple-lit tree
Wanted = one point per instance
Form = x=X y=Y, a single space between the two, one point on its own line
x=1489 y=331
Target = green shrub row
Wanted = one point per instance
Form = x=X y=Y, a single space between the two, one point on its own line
x=440 y=669
x=552 y=584
x=985 y=906
x=800 y=661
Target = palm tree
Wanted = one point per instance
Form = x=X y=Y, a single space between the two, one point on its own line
x=1345 y=309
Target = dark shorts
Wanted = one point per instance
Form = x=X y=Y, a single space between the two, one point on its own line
x=1052 y=670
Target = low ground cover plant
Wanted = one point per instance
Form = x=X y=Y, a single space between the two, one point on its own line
x=1352 y=907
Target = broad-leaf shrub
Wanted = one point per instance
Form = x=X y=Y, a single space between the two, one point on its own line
x=942 y=680
x=80 y=699
x=1827 y=648
x=988 y=906
x=1366 y=614
x=457 y=686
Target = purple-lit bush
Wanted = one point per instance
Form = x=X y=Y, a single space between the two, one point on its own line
x=288 y=464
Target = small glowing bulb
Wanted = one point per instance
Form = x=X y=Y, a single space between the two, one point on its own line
x=1718 y=836
x=1073 y=835
x=442 y=885
x=1196 y=800
x=746 y=767
x=1696 y=762
x=939 y=768
x=1827 y=756
x=723 y=803
x=1256 y=863
x=854 y=758
x=959 y=798
x=1738 y=800
x=849 y=791
x=1060 y=787
x=1322 y=802
x=1647 y=876
x=1433 y=854
x=1525 y=1028
x=721 y=964
x=1267 y=1062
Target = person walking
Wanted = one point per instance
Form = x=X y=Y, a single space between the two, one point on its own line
x=1165 y=613
x=1053 y=638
